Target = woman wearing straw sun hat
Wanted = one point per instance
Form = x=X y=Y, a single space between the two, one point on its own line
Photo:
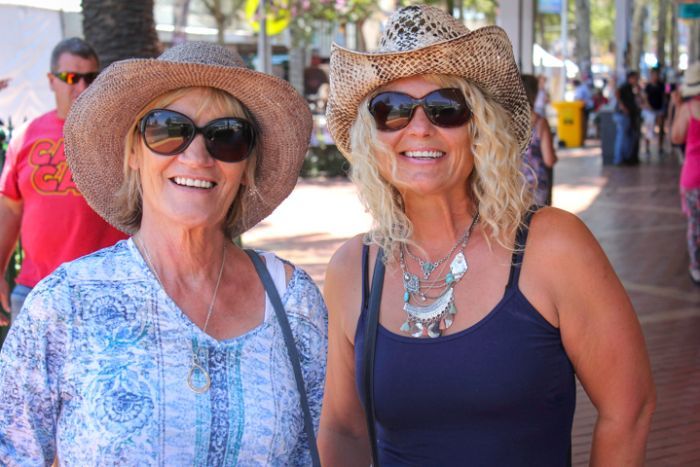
x=457 y=324
x=174 y=347
x=686 y=130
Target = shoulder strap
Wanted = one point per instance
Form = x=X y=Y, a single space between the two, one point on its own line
x=292 y=351
x=519 y=247
x=375 y=299
x=365 y=277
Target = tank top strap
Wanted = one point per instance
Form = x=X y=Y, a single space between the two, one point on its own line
x=365 y=276
x=519 y=248
x=275 y=267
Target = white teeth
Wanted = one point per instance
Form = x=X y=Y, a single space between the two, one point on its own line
x=193 y=182
x=424 y=154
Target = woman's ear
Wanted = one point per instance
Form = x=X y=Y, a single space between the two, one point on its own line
x=133 y=160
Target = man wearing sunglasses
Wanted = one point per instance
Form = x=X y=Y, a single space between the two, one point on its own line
x=38 y=200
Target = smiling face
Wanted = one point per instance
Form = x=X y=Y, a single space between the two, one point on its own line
x=428 y=159
x=191 y=189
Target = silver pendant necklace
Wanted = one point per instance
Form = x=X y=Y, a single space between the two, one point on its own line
x=432 y=319
x=195 y=362
x=428 y=266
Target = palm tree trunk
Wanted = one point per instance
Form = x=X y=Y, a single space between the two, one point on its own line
x=674 y=36
x=120 y=29
x=582 y=50
x=637 y=41
x=661 y=35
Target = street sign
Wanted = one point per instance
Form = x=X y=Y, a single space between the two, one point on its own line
x=549 y=6
x=276 y=21
x=689 y=10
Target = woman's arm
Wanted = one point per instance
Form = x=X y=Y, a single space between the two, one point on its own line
x=549 y=155
x=600 y=332
x=30 y=367
x=679 y=131
x=343 y=434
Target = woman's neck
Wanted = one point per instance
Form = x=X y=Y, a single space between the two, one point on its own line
x=180 y=254
x=439 y=221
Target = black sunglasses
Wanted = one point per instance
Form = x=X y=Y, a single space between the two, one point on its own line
x=71 y=77
x=167 y=133
x=445 y=108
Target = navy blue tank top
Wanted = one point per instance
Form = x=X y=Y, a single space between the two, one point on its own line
x=499 y=393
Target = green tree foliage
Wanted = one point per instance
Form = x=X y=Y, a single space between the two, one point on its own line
x=308 y=15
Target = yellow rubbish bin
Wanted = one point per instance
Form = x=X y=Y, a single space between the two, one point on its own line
x=570 y=122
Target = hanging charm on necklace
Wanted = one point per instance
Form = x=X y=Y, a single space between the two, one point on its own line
x=195 y=368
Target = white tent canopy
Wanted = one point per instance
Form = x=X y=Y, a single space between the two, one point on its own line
x=542 y=58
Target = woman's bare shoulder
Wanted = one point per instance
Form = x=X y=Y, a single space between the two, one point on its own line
x=348 y=255
x=342 y=288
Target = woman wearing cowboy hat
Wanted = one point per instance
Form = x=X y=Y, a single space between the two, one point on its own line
x=486 y=310
x=686 y=130
x=164 y=350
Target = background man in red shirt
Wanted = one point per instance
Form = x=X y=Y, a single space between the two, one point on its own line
x=39 y=202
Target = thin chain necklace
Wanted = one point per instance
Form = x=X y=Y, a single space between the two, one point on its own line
x=195 y=363
x=432 y=319
x=428 y=266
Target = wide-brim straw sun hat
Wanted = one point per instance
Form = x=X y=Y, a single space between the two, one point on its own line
x=419 y=40
x=691 y=81
x=100 y=118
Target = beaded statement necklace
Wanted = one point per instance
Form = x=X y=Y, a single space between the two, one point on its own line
x=430 y=320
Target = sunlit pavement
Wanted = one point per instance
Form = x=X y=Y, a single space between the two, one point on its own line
x=635 y=214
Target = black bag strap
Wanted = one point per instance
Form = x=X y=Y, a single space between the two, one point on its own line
x=375 y=299
x=292 y=351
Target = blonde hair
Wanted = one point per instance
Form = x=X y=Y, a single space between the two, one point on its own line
x=496 y=184
x=129 y=196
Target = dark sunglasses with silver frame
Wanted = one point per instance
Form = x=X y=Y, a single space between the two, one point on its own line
x=445 y=108
x=167 y=132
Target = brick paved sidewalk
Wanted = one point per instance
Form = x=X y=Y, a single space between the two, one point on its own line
x=635 y=214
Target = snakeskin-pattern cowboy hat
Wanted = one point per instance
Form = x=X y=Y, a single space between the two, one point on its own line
x=99 y=120
x=419 y=40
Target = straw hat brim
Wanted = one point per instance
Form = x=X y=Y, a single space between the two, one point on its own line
x=484 y=57
x=99 y=120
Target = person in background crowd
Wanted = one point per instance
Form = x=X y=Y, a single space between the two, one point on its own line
x=626 y=118
x=675 y=100
x=4 y=83
x=686 y=130
x=316 y=83
x=39 y=202
x=169 y=348
x=542 y=99
x=654 y=106
x=539 y=157
x=583 y=93
x=460 y=321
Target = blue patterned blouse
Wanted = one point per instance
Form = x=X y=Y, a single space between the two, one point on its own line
x=94 y=372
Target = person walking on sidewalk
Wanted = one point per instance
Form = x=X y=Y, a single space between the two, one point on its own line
x=626 y=118
x=539 y=157
x=654 y=98
x=39 y=201
x=686 y=130
x=458 y=324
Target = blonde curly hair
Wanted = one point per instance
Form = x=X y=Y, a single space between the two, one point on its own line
x=496 y=184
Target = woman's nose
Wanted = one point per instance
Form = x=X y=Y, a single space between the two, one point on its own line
x=197 y=153
x=420 y=124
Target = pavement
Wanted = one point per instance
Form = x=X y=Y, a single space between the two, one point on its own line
x=635 y=214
